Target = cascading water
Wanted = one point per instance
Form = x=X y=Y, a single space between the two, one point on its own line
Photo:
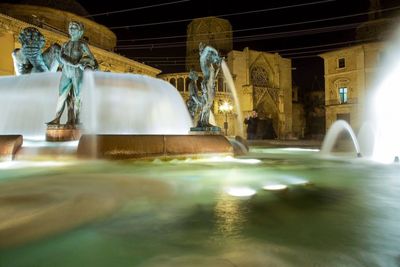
x=134 y=104
x=387 y=113
x=27 y=102
x=379 y=134
x=334 y=131
x=232 y=88
x=112 y=104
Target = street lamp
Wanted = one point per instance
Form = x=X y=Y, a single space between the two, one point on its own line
x=226 y=108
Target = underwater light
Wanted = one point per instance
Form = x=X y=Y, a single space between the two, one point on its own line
x=26 y=164
x=274 y=187
x=300 y=149
x=7 y=164
x=294 y=180
x=240 y=191
x=226 y=159
x=43 y=143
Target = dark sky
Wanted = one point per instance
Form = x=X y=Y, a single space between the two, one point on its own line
x=306 y=66
x=168 y=54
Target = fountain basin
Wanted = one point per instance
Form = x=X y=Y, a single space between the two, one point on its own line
x=200 y=212
x=9 y=145
x=149 y=146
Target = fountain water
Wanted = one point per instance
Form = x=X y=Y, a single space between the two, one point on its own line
x=379 y=134
x=333 y=133
x=387 y=112
x=184 y=212
x=112 y=104
x=232 y=88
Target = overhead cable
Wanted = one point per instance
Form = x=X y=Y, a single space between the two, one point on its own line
x=221 y=15
x=264 y=27
x=247 y=38
x=135 y=8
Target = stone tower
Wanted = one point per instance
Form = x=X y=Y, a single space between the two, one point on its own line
x=377 y=27
x=374 y=6
x=210 y=31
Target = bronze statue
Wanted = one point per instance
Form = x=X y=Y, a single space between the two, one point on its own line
x=30 y=59
x=75 y=57
x=193 y=103
x=210 y=63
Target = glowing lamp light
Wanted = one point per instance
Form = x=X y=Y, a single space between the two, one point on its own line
x=225 y=107
x=240 y=191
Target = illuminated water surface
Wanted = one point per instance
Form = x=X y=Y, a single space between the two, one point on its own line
x=180 y=212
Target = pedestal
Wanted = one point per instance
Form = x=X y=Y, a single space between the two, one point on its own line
x=213 y=130
x=60 y=133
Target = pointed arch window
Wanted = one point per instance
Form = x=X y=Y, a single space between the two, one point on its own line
x=259 y=77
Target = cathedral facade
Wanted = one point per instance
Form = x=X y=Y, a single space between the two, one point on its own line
x=263 y=81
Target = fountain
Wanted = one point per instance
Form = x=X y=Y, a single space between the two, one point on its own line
x=378 y=137
x=280 y=207
x=333 y=133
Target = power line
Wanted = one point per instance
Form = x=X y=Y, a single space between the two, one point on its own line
x=136 y=8
x=293 y=55
x=182 y=59
x=253 y=37
x=222 y=15
x=268 y=27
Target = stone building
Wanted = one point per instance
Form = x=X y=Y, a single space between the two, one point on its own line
x=352 y=72
x=212 y=31
x=52 y=21
x=349 y=76
x=262 y=80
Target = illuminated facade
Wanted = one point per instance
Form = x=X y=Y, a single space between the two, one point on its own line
x=53 y=24
x=349 y=75
x=262 y=80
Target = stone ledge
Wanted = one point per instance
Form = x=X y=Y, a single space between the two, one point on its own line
x=151 y=146
x=9 y=145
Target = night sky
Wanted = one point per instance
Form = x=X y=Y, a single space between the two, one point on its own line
x=152 y=43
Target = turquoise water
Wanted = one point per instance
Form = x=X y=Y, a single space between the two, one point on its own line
x=181 y=213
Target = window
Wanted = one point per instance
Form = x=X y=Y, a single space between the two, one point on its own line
x=341 y=63
x=220 y=85
x=173 y=82
x=343 y=95
x=180 y=85
x=187 y=82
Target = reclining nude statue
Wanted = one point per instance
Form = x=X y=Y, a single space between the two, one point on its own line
x=75 y=57
x=210 y=63
x=29 y=58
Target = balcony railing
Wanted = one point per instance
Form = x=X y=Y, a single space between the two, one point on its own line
x=334 y=102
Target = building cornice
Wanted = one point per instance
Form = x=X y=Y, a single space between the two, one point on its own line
x=14 y=26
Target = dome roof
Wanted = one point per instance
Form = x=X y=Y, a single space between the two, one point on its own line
x=65 y=5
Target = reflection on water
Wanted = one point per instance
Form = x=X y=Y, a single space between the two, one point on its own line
x=332 y=213
x=229 y=217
